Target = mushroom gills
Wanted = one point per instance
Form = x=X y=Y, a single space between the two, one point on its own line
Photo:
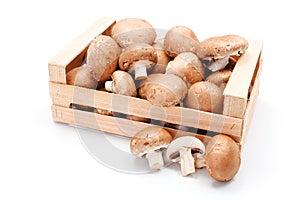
x=180 y=150
x=218 y=64
x=149 y=143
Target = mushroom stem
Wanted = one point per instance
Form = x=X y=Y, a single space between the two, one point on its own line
x=109 y=86
x=199 y=160
x=140 y=69
x=155 y=160
x=219 y=64
x=186 y=161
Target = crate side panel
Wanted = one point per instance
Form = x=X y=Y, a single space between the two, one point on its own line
x=252 y=103
x=110 y=124
x=142 y=108
x=236 y=91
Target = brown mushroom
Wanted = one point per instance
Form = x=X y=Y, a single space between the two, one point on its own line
x=82 y=77
x=204 y=96
x=219 y=77
x=187 y=66
x=138 y=119
x=219 y=49
x=102 y=56
x=162 y=59
x=138 y=57
x=150 y=142
x=222 y=158
x=122 y=83
x=182 y=39
x=163 y=89
x=132 y=30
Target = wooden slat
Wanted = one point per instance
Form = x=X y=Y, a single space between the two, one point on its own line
x=109 y=124
x=57 y=65
x=251 y=105
x=142 y=108
x=236 y=91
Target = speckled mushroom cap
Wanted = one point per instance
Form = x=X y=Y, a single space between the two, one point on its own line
x=187 y=66
x=204 y=96
x=82 y=77
x=149 y=139
x=132 y=30
x=123 y=84
x=219 y=47
x=136 y=52
x=163 y=89
x=102 y=56
x=219 y=77
x=182 y=39
x=222 y=158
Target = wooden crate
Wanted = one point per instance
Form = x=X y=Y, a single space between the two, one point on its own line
x=237 y=112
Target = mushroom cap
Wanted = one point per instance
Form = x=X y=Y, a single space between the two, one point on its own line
x=123 y=84
x=102 y=56
x=219 y=47
x=149 y=139
x=222 y=157
x=184 y=142
x=187 y=66
x=163 y=89
x=204 y=96
x=138 y=119
x=219 y=77
x=132 y=30
x=82 y=77
x=182 y=39
x=136 y=52
x=162 y=58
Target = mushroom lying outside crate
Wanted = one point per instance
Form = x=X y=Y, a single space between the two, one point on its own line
x=238 y=102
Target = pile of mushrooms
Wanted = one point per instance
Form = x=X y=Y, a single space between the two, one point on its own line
x=177 y=70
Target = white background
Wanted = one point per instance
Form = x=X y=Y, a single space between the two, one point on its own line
x=40 y=159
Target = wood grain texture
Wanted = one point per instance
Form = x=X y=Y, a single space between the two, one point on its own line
x=119 y=126
x=236 y=91
x=251 y=104
x=142 y=108
x=57 y=65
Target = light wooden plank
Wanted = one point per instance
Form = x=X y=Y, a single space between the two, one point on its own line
x=57 y=65
x=142 y=108
x=236 y=91
x=251 y=105
x=110 y=124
